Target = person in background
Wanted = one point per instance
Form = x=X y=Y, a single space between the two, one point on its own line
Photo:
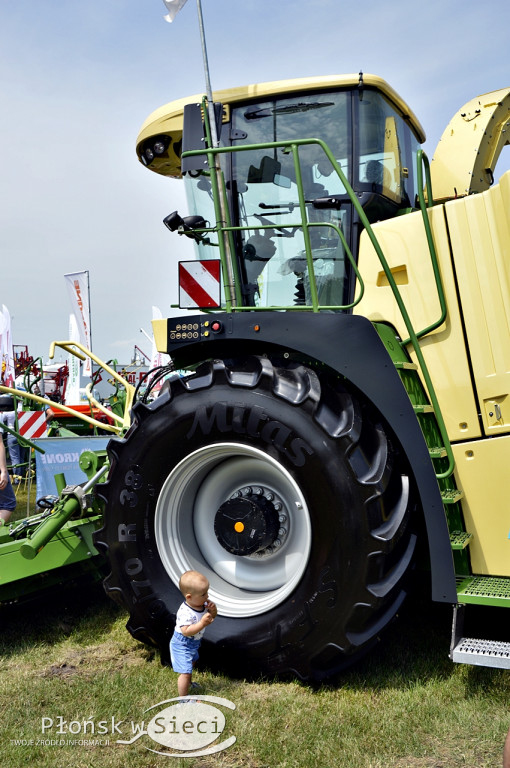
x=8 y=417
x=7 y=497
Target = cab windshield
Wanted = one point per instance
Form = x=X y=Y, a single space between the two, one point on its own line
x=270 y=192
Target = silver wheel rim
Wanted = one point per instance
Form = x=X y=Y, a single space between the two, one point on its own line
x=241 y=586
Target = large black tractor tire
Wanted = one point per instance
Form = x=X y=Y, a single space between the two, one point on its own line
x=283 y=488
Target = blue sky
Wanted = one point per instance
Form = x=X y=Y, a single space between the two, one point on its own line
x=79 y=78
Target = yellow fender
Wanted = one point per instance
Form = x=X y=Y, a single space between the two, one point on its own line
x=467 y=153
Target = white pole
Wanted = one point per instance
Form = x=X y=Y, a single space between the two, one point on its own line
x=146 y=335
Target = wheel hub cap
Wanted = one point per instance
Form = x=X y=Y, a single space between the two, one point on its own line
x=246 y=525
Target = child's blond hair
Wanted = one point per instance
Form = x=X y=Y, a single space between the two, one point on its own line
x=192 y=582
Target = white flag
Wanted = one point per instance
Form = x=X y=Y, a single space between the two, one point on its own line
x=156 y=357
x=78 y=288
x=173 y=7
x=73 y=384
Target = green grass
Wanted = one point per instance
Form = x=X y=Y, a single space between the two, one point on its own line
x=405 y=706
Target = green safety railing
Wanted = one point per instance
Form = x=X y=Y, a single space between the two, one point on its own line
x=422 y=161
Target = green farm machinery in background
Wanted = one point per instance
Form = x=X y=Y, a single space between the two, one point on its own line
x=53 y=543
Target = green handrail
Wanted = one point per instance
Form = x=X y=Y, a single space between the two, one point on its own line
x=229 y=266
x=422 y=160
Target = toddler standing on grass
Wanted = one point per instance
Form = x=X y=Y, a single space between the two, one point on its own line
x=193 y=616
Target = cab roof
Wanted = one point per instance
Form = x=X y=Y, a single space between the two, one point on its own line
x=168 y=119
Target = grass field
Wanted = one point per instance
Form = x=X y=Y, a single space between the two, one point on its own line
x=405 y=706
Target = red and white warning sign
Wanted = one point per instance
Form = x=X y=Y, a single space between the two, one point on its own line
x=199 y=284
x=32 y=424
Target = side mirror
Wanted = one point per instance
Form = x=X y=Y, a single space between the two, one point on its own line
x=186 y=225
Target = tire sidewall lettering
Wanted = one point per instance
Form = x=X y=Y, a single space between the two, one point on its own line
x=240 y=419
x=131 y=530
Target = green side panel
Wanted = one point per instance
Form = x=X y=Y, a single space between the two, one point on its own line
x=71 y=546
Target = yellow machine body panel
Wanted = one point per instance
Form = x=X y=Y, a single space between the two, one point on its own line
x=479 y=227
x=482 y=473
x=405 y=246
x=472 y=239
x=467 y=153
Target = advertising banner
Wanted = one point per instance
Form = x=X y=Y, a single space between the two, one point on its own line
x=62 y=454
x=78 y=289
x=73 y=396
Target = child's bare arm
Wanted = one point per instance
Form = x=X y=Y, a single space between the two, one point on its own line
x=189 y=630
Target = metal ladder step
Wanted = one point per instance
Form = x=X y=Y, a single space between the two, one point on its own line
x=484 y=653
x=438 y=452
x=423 y=408
x=460 y=539
x=451 y=495
x=484 y=590
x=477 y=651
x=405 y=365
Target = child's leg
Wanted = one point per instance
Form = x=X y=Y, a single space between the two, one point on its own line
x=183 y=683
x=183 y=655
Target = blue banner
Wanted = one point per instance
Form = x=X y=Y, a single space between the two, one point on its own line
x=62 y=455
